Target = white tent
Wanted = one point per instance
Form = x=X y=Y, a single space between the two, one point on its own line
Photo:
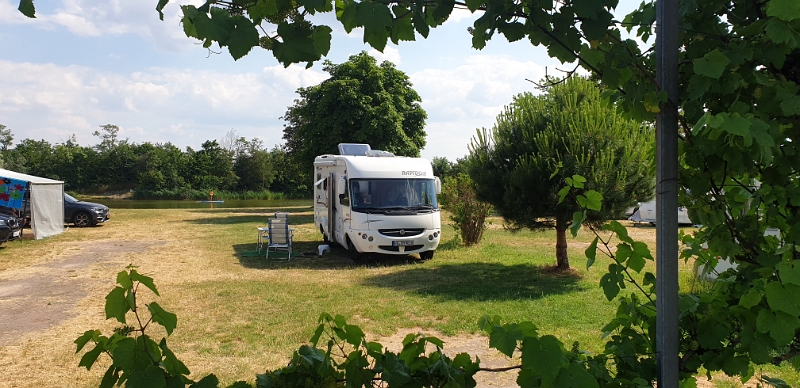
x=46 y=203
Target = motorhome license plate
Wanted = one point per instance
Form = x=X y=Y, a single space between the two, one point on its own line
x=402 y=243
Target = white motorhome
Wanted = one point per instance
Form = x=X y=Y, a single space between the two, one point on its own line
x=371 y=201
x=646 y=212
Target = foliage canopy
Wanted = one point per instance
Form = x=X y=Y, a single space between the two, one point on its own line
x=540 y=141
x=362 y=102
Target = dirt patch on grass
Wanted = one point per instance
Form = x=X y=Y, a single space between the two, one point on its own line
x=474 y=345
x=42 y=296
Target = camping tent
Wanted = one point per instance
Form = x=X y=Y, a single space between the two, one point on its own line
x=46 y=202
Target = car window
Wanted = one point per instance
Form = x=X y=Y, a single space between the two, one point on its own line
x=69 y=198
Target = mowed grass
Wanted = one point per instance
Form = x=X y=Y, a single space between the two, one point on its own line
x=240 y=315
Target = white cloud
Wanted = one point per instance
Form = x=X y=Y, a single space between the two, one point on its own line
x=185 y=107
x=389 y=53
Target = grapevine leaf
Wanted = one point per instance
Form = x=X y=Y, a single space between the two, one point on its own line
x=594 y=200
x=775 y=382
x=578 y=181
x=750 y=299
x=210 y=381
x=129 y=356
x=778 y=300
x=610 y=285
x=354 y=335
x=690 y=382
x=620 y=230
x=784 y=328
x=580 y=377
x=110 y=377
x=474 y=4
x=504 y=340
x=563 y=193
x=712 y=64
x=151 y=377
x=146 y=280
x=548 y=359
x=163 y=317
x=736 y=125
x=90 y=357
x=27 y=8
x=124 y=280
x=786 y=10
x=577 y=220
x=85 y=338
x=790 y=274
x=159 y=7
x=402 y=29
x=642 y=250
x=171 y=363
x=116 y=304
x=322 y=39
x=591 y=253
x=781 y=32
x=243 y=38
x=513 y=31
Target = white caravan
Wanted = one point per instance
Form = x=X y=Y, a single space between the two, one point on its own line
x=646 y=212
x=371 y=201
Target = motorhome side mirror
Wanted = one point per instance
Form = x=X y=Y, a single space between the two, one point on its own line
x=343 y=200
x=341 y=186
x=437 y=184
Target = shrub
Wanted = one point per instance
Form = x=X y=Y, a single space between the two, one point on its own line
x=466 y=211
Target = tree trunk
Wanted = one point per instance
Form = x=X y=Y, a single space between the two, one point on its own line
x=562 y=259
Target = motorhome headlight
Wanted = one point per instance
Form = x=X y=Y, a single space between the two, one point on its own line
x=370 y=239
x=436 y=234
x=364 y=236
x=430 y=237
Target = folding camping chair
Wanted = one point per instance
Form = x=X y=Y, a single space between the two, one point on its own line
x=280 y=236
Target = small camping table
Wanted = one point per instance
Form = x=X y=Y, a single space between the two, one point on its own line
x=263 y=234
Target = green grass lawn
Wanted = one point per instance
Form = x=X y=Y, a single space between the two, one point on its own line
x=239 y=315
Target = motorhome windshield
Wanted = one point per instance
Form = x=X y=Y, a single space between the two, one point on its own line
x=381 y=195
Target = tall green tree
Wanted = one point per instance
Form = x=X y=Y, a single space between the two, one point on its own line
x=253 y=165
x=539 y=141
x=211 y=167
x=361 y=102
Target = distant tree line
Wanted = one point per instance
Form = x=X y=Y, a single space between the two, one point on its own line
x=238 y=167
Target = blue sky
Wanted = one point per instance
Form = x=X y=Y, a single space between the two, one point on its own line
x=84 y=63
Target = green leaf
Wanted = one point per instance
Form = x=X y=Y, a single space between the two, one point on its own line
x=210 y=381
x=124 y=280
x=594 y=200
x=163 y=317
x=243 y=38
x=354 y=335
x=591 y=253
x=85 y=338
x=736 y=125
x=577 y=220
x=27 y=8
x=116 y=304
x=402 y=29
x=513 y=31
x=171 y=363
x=377 y=20
x=88 y=359
x=322 y=39
x=750 y=299
x=619 y=230
x=578 y=181
x=159 y=7
x=110 y=377
x=146 y=280
x=610 y=283
x=778 y=298
x=712 y=64
x=789 y=273
x=780 y=32
x=151 y=377
x=651 y=102
x=784 y=328
x=774 y=382
x=563 y=193
x=547 y=358
x=504 y=340
x=786 y=10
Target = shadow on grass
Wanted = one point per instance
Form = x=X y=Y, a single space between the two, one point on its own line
x=305 y=256
x=479 y=281
x=259 y=218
